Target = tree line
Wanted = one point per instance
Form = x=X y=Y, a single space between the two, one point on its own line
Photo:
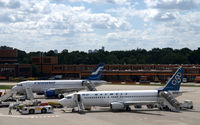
x=135 y=56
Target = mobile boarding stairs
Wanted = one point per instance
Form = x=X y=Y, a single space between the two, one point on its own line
x=168 y=102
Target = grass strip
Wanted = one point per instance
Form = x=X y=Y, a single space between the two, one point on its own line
x=6 y=86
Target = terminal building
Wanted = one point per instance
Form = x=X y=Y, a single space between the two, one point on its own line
x=116 y=73
x=129 y=73
x=9 y=66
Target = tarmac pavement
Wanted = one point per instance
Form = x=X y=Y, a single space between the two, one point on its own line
x=103 y=116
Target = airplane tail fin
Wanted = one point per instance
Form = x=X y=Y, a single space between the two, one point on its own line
x=96 y=74
x=175 y=81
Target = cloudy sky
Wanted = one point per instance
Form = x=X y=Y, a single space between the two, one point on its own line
x=42 y=25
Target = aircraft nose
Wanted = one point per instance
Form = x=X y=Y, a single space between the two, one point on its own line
x=15 y=88
x=63 y=102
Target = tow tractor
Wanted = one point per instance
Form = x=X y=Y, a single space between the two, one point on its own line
x=4 y=104
x=36 y=109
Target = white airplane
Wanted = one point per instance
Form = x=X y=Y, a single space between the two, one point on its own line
x=56 y=88
x=121 y=100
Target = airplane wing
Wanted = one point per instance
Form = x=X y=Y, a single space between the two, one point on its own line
x=178 y=93
x=181 y=91
x=65 y=90
x=139 y=102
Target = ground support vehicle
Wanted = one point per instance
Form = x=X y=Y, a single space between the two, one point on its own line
x=55 y=104
x=187 y=104
x=4 y=104
x=36 y=109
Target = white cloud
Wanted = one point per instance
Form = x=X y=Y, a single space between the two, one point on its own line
x=179 y=33
x=158 y=10
x=119 y=2
x=173 y=4
x=165 y=16
x=12 y=4
x=146 y=14
x=40 y=22
x=42 y=25
x=60 y=16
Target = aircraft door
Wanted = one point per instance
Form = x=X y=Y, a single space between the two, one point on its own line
x=78 y=97
x=83 y=83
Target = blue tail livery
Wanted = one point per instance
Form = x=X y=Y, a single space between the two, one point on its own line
x=175 y=81
x=96 y=74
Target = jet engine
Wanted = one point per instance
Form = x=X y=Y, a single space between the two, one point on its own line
x=50 y=93
x=117 y=106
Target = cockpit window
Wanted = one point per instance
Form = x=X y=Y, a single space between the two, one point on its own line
x=19 y=84
x=68 y=97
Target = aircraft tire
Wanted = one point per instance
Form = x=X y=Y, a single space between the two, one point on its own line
x=43 y=111
x=111 y=107
x=161 y=108
x=31 y=111
x=62 y=96
x=167 y=108
x=128 y=109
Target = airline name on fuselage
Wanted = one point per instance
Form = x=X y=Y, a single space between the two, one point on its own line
x=46 y=83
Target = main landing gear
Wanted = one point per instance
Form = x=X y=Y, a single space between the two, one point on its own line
x=128 y=109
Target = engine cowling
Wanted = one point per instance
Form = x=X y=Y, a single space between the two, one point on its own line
x=60 y=96
x=117 y=106
x=50 y=93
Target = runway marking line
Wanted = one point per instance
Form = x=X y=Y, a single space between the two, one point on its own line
x=31 y=117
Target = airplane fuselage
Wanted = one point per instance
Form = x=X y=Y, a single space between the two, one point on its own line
x=40 y=86
x=105 y=98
